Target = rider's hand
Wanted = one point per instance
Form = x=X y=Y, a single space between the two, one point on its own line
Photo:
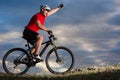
x=61 y=5
x=50 y=33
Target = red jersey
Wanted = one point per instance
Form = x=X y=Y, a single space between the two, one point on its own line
x=32 y=25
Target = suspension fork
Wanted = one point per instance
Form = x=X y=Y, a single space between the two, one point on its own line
x=55 y=50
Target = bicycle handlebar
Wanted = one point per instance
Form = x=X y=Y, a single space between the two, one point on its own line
x=51 y=35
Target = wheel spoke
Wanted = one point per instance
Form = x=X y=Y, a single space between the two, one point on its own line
x=12 y=61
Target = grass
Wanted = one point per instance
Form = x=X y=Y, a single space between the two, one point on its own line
x=102 y=73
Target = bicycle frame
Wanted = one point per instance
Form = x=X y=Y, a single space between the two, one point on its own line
x=48 y=43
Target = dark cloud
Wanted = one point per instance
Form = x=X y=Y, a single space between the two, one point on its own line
x=18 y=13
x=115 y=20
x=76 y=12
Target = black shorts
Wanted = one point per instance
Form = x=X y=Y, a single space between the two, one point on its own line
x=30 y=36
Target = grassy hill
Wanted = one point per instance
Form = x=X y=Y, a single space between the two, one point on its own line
x=101 y=73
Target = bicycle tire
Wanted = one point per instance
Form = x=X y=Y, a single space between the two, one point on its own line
x=8 y=64
x=58 y=49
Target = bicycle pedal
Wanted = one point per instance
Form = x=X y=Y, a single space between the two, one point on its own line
x=39 y=60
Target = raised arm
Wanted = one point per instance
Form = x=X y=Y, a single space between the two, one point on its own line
x=54 y=10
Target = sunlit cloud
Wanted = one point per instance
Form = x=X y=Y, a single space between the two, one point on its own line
x=9 y=37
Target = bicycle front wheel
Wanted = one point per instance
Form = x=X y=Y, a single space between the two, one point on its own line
x=59 y=60
x=12 y=64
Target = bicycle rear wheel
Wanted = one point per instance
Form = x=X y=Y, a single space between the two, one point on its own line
x=63 y=63
x=12 y=61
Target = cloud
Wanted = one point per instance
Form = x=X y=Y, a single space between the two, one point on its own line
x=9 y=36
x=78 y=11
x=94 y=40
x=115 y=20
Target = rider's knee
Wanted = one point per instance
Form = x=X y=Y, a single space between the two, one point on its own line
x=40 y=37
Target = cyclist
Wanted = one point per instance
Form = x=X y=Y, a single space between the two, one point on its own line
x=35 y=24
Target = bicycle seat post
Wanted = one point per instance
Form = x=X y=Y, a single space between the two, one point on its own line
x=27 y=45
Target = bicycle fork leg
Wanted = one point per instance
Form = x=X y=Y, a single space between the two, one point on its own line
x=57 y=56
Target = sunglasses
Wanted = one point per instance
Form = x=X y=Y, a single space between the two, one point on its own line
x=47 y=10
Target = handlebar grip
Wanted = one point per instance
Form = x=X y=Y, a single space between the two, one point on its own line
x=51 y=35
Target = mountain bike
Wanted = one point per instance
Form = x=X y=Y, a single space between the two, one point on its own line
x=59 y=59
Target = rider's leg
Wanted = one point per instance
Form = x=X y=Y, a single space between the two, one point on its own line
x=33 y=50
x=38 y=44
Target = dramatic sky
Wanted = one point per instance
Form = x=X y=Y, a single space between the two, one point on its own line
x=90 y=28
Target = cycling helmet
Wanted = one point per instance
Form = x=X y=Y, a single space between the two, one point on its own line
x=45 y=7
